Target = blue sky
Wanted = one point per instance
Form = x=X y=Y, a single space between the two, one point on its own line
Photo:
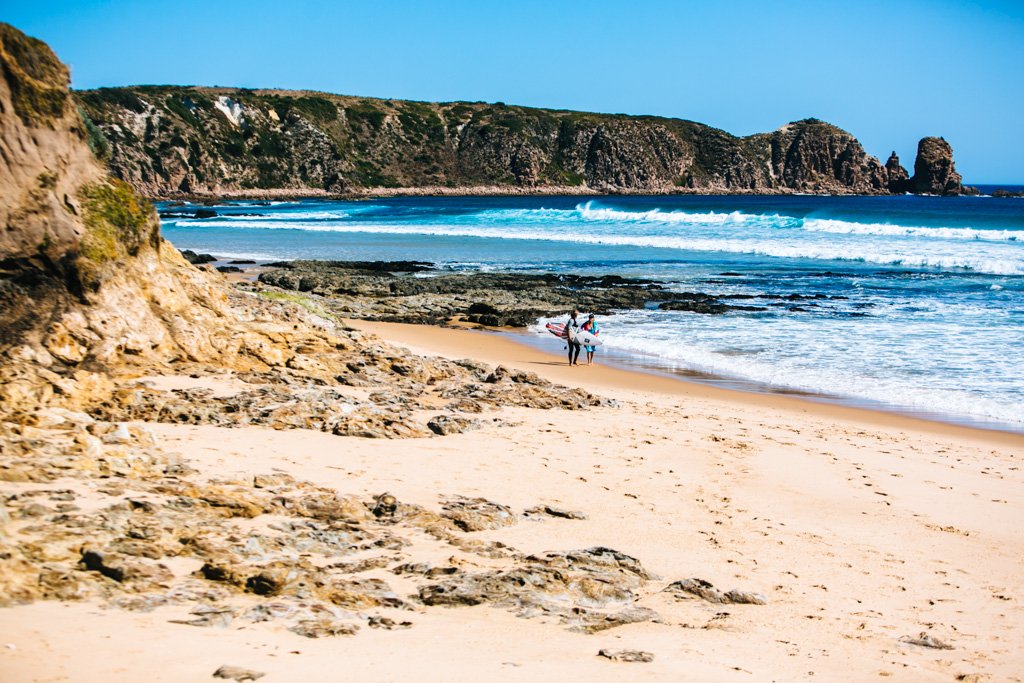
x=889 y=72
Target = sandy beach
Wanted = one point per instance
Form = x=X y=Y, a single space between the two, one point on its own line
x=861 y=531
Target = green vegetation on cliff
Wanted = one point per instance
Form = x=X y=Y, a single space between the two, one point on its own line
x=118 y=223
x=167 y=141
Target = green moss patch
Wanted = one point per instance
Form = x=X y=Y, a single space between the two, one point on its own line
x=118 y=223
x=307 y=303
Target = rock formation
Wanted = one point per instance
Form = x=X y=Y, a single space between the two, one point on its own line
x=899 y=179
x=84 y=277
x=814 y=156
x=934 y=171
x=182 y=141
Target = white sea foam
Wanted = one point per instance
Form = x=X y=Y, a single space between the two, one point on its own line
x=877 y=368
x=998 y=263
x=839 y=381
x=590 y=212
x=286 y=217
x=235 y=255
x=853 y=228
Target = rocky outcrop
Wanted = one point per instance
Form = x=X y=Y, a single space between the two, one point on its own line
x=390 y=292
x=43 y=164
x=934 y=171
x=185 y=141
x=814 y=156
x=84 y=278
x=899 y=179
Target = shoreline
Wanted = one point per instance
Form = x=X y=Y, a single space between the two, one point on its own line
x=501 y=349
x=740 y=385
x=497 y=191
x=518 y=332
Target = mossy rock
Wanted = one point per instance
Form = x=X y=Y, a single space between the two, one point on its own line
x=118 y=224
x=38 y=80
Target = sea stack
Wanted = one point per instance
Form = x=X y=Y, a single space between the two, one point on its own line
x=934 y=171
x=899 y=179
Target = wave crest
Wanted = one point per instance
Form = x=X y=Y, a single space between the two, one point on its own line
x=841 y=227
x=589 y=212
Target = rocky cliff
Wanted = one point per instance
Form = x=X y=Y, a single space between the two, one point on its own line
x=85 y=280
x=177 y=141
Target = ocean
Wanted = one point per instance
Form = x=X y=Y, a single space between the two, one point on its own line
x=910 y=304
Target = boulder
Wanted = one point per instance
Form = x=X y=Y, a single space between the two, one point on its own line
x=237 y=673
x=627 y=655
x=477 y=514
x=443 y=425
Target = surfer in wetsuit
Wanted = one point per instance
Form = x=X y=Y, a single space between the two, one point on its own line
x=591 y=327
x=571 y=328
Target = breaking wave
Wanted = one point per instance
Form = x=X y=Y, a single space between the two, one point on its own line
x=589 y=212
x=851 y=228
x=881 y=254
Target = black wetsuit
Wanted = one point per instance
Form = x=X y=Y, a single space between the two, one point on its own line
x=573 y=346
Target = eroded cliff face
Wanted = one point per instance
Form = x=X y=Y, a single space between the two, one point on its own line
x=175 y=141
x=814 y=156
x=84 y=280
x=43 y=164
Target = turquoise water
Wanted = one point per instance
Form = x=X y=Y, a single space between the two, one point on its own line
x=917 y=303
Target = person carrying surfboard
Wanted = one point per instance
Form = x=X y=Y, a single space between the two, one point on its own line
x=571 y=329
x=591 y=327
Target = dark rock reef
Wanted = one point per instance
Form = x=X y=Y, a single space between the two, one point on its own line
x=398 y=291
x=389 y=292
x=190 y=141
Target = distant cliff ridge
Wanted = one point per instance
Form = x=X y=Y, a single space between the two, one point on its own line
x=177 y=141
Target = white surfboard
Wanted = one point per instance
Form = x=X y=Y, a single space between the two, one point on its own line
x=587 y=339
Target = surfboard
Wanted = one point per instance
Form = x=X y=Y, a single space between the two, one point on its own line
x=557 y=329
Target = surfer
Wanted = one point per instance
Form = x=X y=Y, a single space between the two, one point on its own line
x=591 y=327
x=571 y=328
